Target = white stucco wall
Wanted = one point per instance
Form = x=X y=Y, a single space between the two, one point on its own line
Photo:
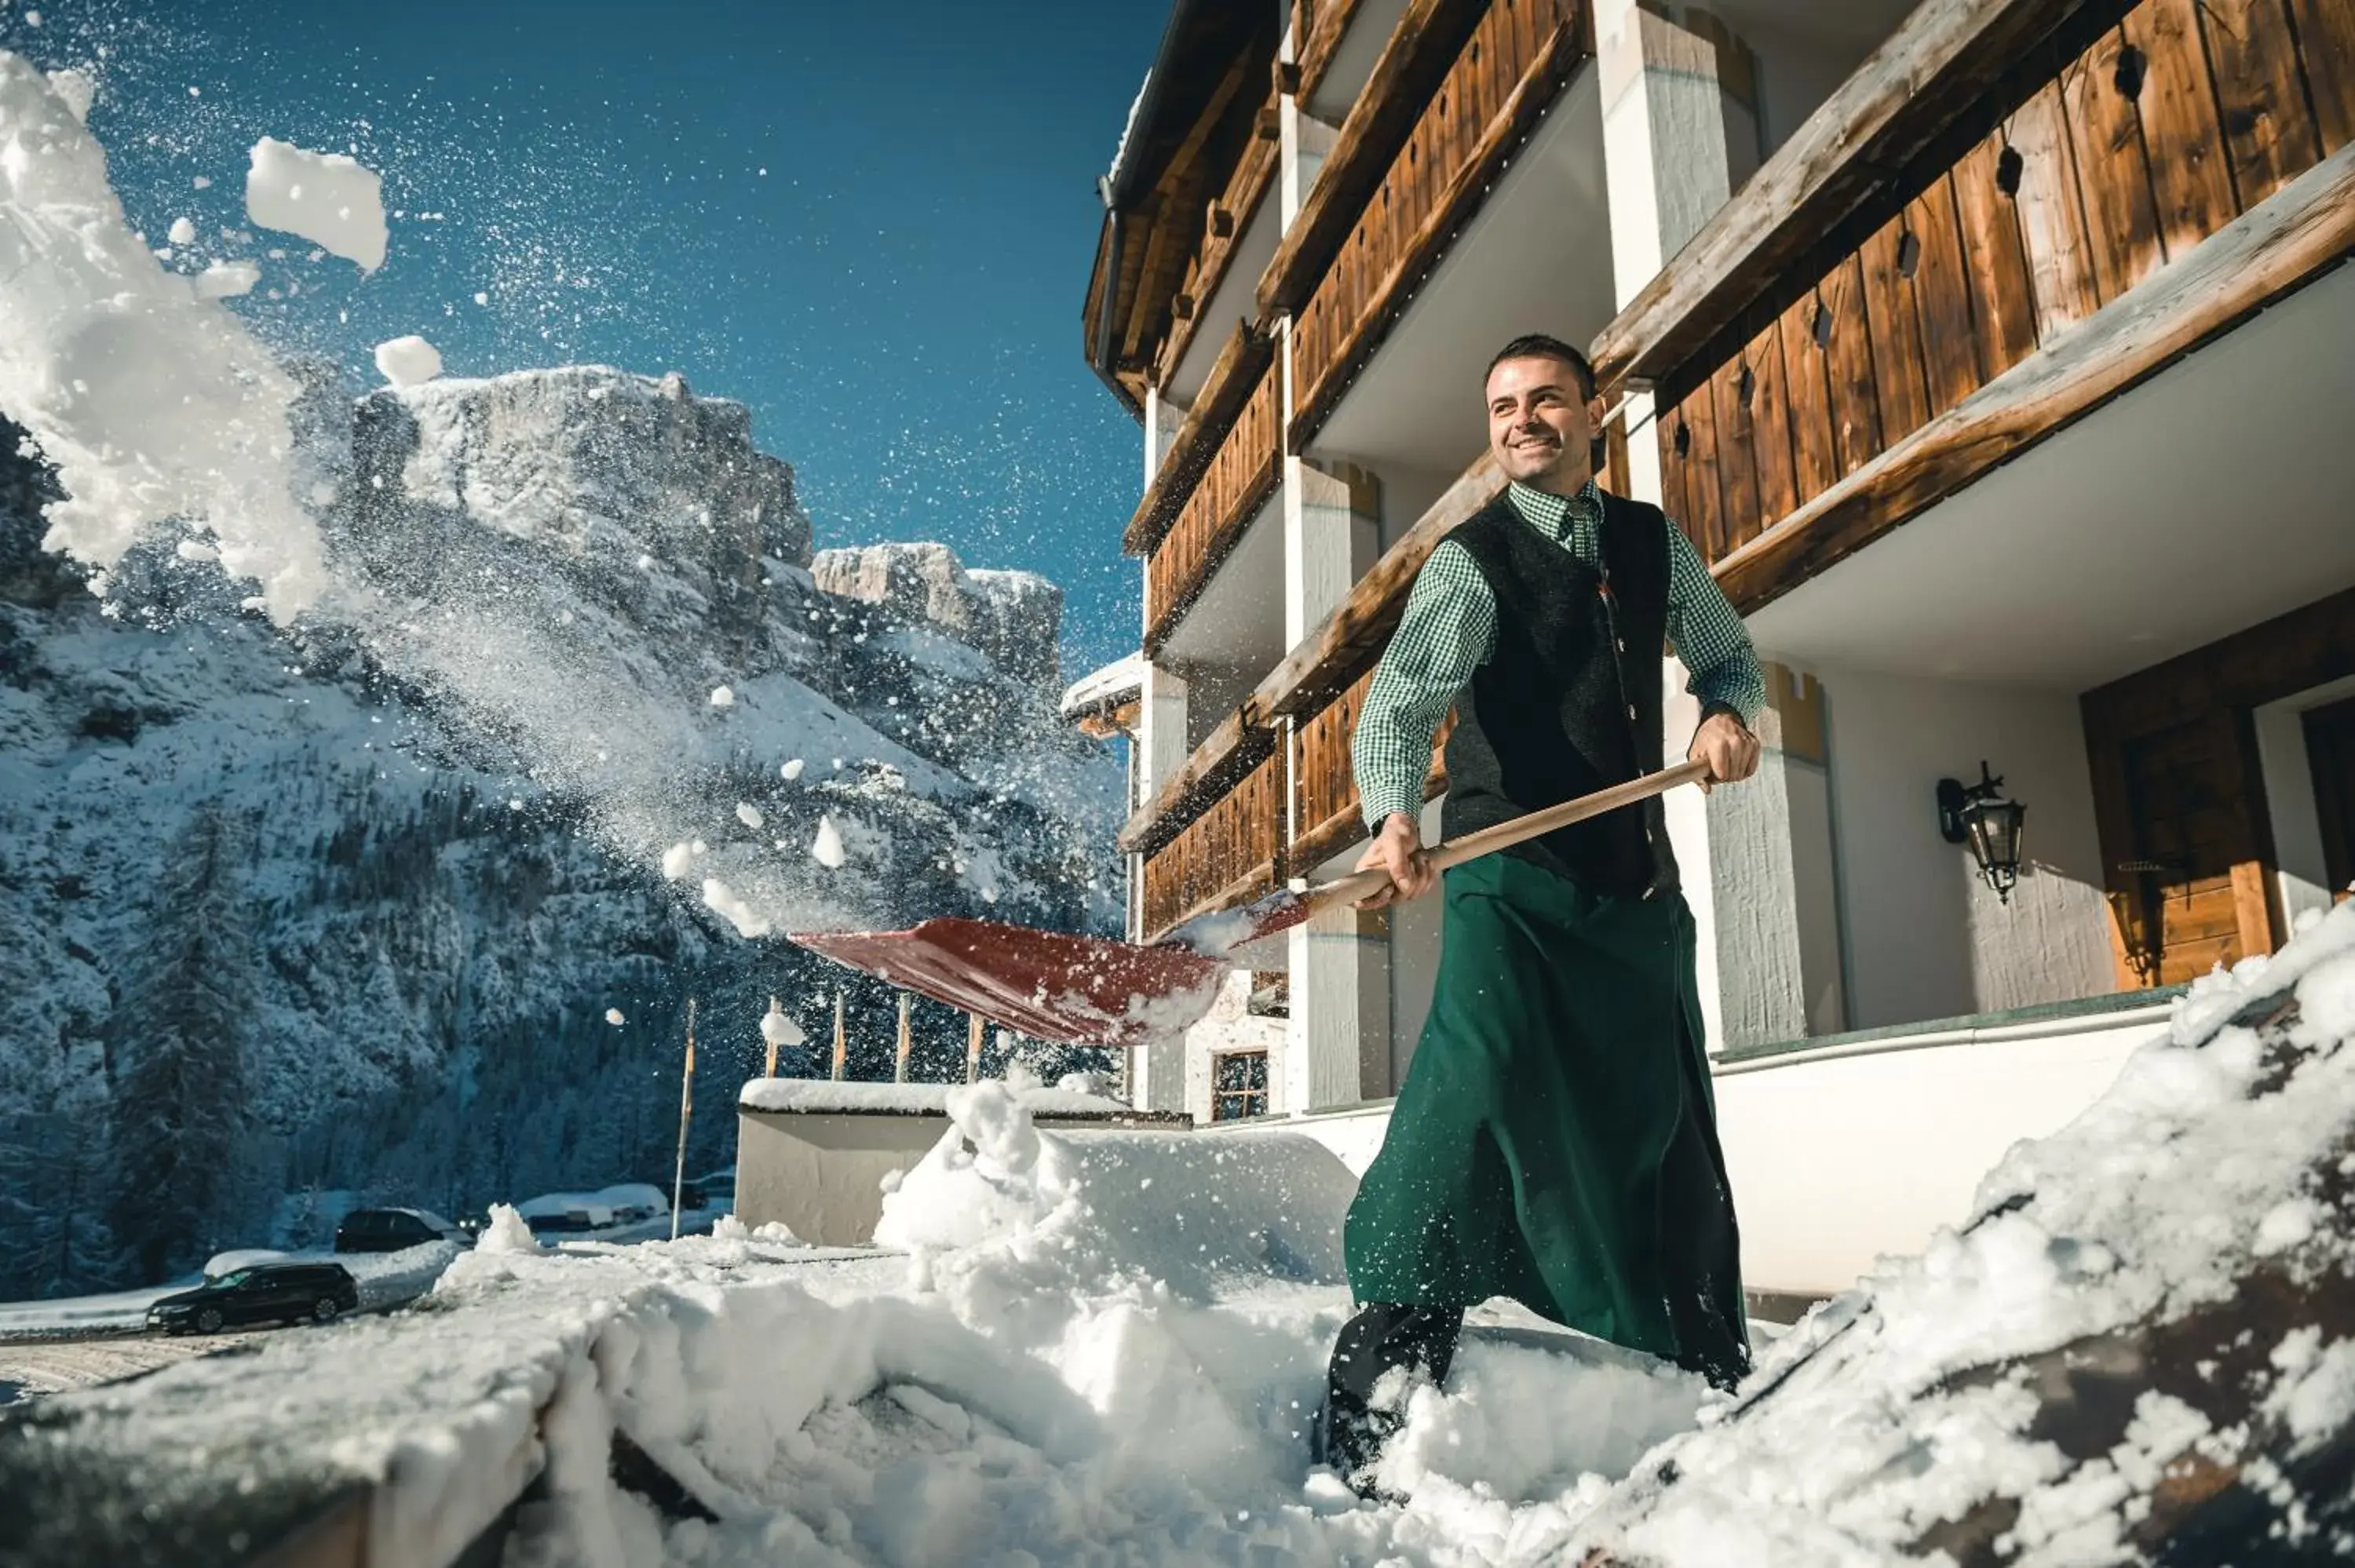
x=2295 y=815
x=1922 y=937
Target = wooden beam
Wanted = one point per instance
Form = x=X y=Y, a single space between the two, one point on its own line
x=1458 y=202
x=2301 y=231
x=1234 y=375
x=1177 y=211
x=1241 y=742
x=1253 y=178
x=1250 y=885
x=1908 y=91
x=1351 y=636
x=1316 y=50
x=1420 y=49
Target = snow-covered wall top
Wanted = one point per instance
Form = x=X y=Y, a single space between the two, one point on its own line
x=822 y=1097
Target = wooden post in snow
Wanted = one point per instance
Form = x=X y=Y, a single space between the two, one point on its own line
x=900 y=1060
x=773 y=1036
x=841 y=1042
x=686 y=1110
x=973 y=1047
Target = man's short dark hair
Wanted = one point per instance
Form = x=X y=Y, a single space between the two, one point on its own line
x=1540 y=346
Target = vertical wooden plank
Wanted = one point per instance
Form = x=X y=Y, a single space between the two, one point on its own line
x=2325 y=48
x=2113 y=173
x=1672 y=470
x=1849 y=370
x=1897 y=378
x=1770 y=426
x=2051 y=221
x=1737 y=463
x=2268 y=135
x=1942 y=298
x=2003 y=307
x=1815 y=461
x=2192 y=187
x=1702 y=495
x=1614 y=457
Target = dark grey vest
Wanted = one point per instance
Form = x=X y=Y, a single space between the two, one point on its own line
x=1570 y=701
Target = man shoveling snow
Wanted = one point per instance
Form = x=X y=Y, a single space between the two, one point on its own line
x=1554 y=1142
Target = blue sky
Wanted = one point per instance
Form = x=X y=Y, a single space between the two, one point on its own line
x=897 y=297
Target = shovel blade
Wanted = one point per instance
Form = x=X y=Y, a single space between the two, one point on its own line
x=1050 y=985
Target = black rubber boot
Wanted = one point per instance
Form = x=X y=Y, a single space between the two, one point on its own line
x=1382 y=1336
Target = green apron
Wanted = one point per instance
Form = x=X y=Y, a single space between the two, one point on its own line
x=1555 y=1141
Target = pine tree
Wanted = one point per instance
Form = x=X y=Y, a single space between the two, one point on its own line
x=180 y=1028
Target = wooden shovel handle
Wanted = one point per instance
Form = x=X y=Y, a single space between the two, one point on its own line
x=1504 y=835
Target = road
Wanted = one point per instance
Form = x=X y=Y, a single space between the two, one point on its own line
x=35 y=1367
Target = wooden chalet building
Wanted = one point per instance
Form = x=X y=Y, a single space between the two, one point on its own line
x=1996 y=355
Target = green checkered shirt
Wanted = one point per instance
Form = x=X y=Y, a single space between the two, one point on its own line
x=1449 y=629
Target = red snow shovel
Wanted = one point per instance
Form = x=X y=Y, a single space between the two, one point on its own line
x=1093 y=990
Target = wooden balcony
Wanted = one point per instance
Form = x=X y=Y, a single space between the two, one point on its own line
x=1226 y=856
x=1324 y=785
x=1519 y=55
x=1224 y=222
x=1956 y=310
x=1240 y=476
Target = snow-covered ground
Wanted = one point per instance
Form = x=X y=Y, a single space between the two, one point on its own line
x=1107 y=1346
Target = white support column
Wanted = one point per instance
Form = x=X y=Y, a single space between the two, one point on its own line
x=1332 y=536
x=1160 y=730
x=1679 y=131
x=1773 y=889
x=1304 y=144
x=1337 y=1042
x=1163 y=420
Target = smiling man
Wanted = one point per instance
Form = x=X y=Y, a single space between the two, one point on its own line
x=1555 y=1140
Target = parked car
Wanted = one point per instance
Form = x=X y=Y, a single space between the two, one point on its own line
x=391 y=1230
x=569 y=1220
x=267 y=1292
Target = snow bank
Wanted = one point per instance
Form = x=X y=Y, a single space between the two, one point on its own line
x=326 y=198
x=2150 y=1311
x=507 y=1232
x=152 y=401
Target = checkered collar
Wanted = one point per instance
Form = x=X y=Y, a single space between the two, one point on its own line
x=1555 y=516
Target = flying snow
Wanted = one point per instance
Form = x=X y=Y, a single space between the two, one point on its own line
x=722 y=900
x=408 y=361
x=675 y=860
x=749 y=814
x=152 y=402
x=826 y=848
x=613 y=1016
x=225 y=280
x=723 y=696
x=790 y=770
x=183 y=232
x=326 y=198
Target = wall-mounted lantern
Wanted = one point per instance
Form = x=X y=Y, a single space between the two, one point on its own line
x=1983 y=817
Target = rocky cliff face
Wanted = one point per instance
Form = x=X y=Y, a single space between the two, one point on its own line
x=369 y=890
x=1013 y=617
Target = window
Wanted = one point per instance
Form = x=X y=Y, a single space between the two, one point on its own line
x=1238 y=1086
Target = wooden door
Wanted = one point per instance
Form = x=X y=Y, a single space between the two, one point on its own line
x=2191 y=892
x=2330 y=753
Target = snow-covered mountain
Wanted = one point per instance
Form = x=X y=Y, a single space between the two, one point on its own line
x=345 y=909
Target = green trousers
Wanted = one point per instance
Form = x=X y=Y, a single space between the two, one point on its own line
x=1555 y=1140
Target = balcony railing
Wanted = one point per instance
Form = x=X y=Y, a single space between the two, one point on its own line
x=1224 y=857
x=1519 y=54
x=1324 y=785
x=2118 y=146
x=1240 y=477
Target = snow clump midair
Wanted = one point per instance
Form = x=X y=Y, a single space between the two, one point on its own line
x=408 y=361
x=328 y=199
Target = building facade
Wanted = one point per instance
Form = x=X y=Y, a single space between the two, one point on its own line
x=1989 y=351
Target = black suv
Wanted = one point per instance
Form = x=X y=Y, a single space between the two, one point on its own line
x=391 y=1230
x=267 y=1292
